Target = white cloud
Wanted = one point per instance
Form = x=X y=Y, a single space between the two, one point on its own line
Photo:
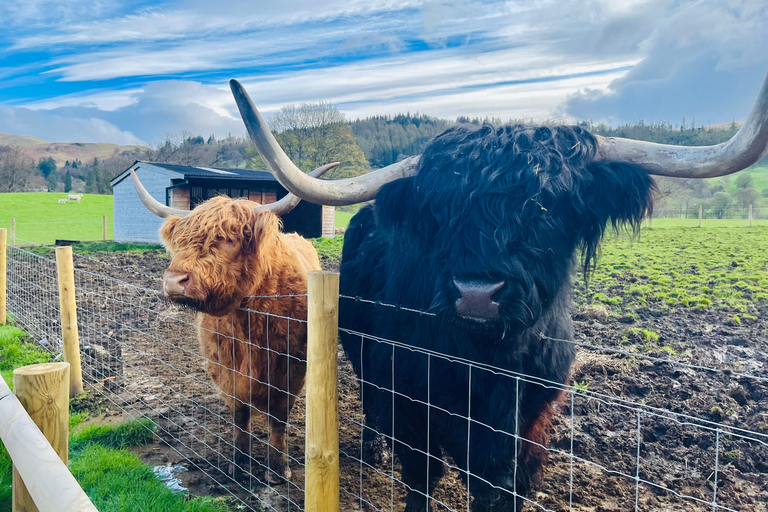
x=705 y=59
x=52 y=127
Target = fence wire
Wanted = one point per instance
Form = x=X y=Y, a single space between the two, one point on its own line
x=143 y=355
x=614 y=446
x=641 y=435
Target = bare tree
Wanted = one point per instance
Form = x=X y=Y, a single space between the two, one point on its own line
x=16 y=169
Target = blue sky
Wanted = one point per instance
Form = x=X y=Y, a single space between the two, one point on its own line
x=129 y=71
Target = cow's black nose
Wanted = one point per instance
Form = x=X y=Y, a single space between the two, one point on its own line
x=476 y=300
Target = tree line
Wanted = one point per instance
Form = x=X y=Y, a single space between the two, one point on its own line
x=317 y=133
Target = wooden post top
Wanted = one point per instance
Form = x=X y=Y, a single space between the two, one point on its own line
x=40 y=369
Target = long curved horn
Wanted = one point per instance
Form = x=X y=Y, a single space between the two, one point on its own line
x=153 y=204
x=281 y=207
x=743 y=149
x=290 y=201
x=332 y=192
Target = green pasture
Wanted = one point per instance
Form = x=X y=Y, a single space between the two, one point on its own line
x=722 y=267
x=41 y=219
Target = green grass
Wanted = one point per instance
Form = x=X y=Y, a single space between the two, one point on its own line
x=343 y=218
x=114 y=478
x=117 y=481
x=759 y=179
x=87 y=248
x=15 y=353
x=719 y=268
x=40 y=219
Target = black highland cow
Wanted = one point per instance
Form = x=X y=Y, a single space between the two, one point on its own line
x=492 y=219
x=483 y=231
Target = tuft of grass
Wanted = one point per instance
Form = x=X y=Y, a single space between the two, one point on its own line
x=581 y=386
x=15 y=352
x=117 y=481
x=131 y=433
x=329 y=250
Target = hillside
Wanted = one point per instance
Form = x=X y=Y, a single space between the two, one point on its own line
x=62 y=151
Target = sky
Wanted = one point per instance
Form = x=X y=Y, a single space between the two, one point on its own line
x=133 y=71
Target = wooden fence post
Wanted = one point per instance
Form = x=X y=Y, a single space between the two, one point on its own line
x=69 y=335
x=3 y=274
x=13 y=231
x=322 y=423
x=104 y=228
x=701 y=212
x=750 y=216
x=43 y=390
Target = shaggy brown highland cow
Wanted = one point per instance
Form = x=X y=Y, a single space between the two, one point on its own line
x=225 y=257
x=231 y=262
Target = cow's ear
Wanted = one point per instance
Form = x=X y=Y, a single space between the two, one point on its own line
x=264 y=225
x=166 y=230
x=611 y=194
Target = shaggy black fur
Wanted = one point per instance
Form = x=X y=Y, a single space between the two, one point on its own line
x=512 y=203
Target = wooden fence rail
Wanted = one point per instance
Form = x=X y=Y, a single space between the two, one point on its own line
x=48 y=486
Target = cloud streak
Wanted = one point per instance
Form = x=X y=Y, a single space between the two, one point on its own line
x=148 y=67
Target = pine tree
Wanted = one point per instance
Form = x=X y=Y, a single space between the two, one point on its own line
x=68 y=182
x=53 y=182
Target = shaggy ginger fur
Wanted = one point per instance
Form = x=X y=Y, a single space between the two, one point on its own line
x=232 y=256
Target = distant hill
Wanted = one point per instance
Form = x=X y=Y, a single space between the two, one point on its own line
x=63 y=151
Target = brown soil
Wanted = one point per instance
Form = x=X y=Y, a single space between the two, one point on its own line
x=687 y=416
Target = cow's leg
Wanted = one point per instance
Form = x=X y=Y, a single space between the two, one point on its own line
x=418 y=478
x=242 y=456
x=281 y=403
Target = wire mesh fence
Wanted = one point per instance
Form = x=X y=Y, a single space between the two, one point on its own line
x=643 y=435
x=419 y=429
x=711 y=213
x=143 y=354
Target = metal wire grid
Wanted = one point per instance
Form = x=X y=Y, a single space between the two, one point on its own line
x=710 y=213
x=142 y=354
x=634 y=441
x=33 y=296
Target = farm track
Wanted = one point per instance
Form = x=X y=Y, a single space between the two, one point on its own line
x=150 y=347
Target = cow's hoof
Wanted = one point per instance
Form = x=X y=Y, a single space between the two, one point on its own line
x=241 y=467
x=376 y=452
x=278 y=473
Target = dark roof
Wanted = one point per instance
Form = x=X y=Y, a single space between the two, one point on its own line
x=215 y=172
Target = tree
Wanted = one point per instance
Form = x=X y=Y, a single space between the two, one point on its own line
x=53 y=182
x=746 y=197
x=721 y=201
x=68 y=181
x=314 y=134
x=16 y=169
x=744 y=180
x=91 y=183
x=47 y=166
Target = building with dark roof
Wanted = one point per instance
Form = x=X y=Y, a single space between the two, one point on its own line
x=182 y=186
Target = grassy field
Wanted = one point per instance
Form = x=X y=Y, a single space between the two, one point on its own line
x=40 y=219
x=721 y=268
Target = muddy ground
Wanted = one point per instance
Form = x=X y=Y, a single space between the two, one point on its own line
x=697 y=426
